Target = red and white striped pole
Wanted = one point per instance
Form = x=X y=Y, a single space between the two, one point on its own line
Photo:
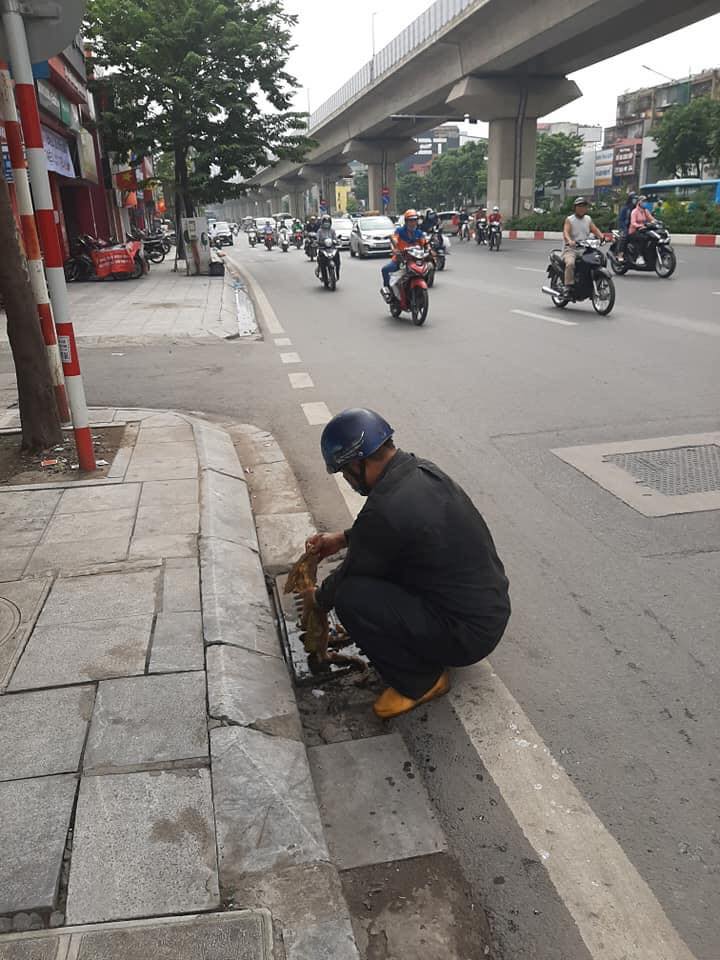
x=14 y=28
x=13 y=133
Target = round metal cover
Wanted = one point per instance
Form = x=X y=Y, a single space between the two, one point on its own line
x=50 y=25
x=9 y=619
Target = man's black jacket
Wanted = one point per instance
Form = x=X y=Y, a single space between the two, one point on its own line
x=420 y=530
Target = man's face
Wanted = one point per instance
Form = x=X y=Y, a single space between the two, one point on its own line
x=581 y=210
x=412 y=223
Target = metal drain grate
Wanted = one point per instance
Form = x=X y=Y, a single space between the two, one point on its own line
x=674 y=472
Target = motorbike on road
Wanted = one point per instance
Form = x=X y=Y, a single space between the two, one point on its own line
x=284 y=239
x=481 y=231
x=440 y=247
x=311 y=245
x=252 y=237
x=327 y=266
x=269 y=240
x=494 y=236
x=98 y=260
x=298 y=239
x=409 y=285
x=464 y=232
x=657 y=253
x=592 y=278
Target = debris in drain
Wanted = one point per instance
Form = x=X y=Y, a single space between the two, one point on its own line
x=319 y=640
x=318 y=693
x=52 y=462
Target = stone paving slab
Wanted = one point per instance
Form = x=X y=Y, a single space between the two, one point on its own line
x=59 y=654
x=236 y=607
x=252 y=690
x=164 y=545
x=147 y=720
x=105 y=596
x=226 y=510
x=177 y=643
x=161 y=491
x=236 y=935
x=22 y=531
x=153 y=435
x=265 y=806
x=168 y=518
x=13 y=561
x=181 y=585
x=274 y=488
x=282 y=539
x=69 y=556
x=100 y=525
x=215 y=450
x=89 y=499
x=20 y=603
x=382 y=797
x=156 y=829
x=33 y=831
x=163 y=468
x=30 y=504
x=43 y=733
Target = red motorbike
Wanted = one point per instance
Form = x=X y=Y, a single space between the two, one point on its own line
x=298 y=238
x=269 y=240
x=99 y=259
x=409 y=286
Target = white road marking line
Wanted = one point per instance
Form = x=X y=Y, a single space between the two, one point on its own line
x=353 y=501
x=316 y=413
x=615 y=911
x=716 y=293
x=283 y=342
x=532 y=269
x=542 y=316
x=299 y=381
x=290 y=358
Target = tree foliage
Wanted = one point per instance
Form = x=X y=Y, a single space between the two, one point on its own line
x=360 y=185
x=688 y=137
x=201 y=80
x=557 y=158
x=454 y=178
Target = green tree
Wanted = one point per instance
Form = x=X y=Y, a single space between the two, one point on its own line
x=360 y=185
x=411 y=190
x=201 y=80
x=557 y=158
x=688 y=137
x=453 y=179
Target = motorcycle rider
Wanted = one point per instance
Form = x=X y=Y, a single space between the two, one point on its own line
x=430 y=221
x=640 y=220
x=463 y=220
x=576 y=229
x=422 y=587
x=326 y=232
x=624 y=223
x=495 y=216
x=408 y=235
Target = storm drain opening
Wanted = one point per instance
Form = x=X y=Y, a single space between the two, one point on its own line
x=305 y=666
x=674 y=472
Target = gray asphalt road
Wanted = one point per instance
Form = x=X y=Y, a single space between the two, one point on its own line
x=612 y=650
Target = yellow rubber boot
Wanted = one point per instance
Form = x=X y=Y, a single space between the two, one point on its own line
x=391 y=704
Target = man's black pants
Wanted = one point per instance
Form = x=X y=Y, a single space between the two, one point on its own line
x=403 y=638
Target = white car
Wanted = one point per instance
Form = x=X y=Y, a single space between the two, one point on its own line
x=221 y=233
x=343 y=228
x=371 y=235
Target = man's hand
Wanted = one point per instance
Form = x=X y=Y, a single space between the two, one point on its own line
x=325 y=544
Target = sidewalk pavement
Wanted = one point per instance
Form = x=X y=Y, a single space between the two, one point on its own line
x=152 y=755
x=161 y=304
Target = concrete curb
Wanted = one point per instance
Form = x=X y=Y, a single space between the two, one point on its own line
x=678 y=239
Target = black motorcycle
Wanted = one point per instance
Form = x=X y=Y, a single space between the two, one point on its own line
x=654 y=254
x=439 y=249
x=327 y=266
x=494 y=236
x=311 y=245
x=481 y=231
x=592 y=278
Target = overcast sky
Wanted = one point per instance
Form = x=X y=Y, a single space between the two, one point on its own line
x=334 y=40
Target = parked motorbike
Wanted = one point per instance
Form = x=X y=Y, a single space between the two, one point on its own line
x=269 y=240
x=326 y=269
x=481 y=231
x=311 y=245
x=657 y=253
x=298 y=239
x=494 y=236
x=440 y=247
x=592 y=278
x=97 y=260
x=284 y=239
x=409 y=285
x=252 y=237
x=155 y=244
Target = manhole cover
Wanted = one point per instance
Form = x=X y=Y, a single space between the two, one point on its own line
x=9 y=619
x=676 y=471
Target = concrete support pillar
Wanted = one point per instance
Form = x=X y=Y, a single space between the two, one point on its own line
x=511 y=165
x=381 y=175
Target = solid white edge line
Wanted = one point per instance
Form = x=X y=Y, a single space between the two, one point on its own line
x=541 y=316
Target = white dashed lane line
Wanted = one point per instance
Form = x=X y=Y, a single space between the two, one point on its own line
x=290 y=358
x=283 y=342
x=300 y=381
x=317 y=413
x=532 y=269
x=542 y=316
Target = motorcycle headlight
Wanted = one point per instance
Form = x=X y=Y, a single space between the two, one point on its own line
x=366 y=236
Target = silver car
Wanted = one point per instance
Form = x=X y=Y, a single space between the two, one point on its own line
x=343 y=228
x=371 y=235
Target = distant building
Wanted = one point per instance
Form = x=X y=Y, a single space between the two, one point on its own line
x=583 y=179
x=431 y=145
x=637 y=112
x=590 y=134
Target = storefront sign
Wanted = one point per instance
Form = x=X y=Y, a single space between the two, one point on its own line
x=67 y=80
x=624 y=159
x=86 y=156
x=57 y=150
x=604 y=168
x=57 y=105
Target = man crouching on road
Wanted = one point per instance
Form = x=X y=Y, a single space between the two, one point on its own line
x=422 y=587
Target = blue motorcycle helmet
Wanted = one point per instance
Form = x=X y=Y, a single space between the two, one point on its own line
x=354 y=434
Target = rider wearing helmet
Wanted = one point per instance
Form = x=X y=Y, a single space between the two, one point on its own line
x=326 y=232
x=408 y=235
x=495 y=216
x=430 y=221
x=576 y=229
x=422 y=587
x=624 y=223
